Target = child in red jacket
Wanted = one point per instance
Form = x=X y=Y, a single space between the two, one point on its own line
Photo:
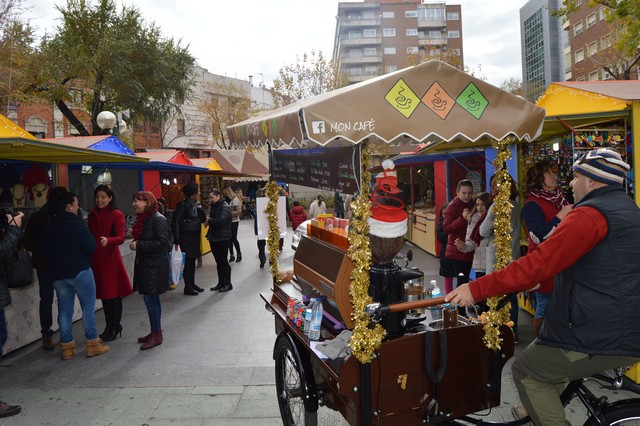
x=297 y=215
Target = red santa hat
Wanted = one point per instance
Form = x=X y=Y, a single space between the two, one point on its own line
x=388 y=218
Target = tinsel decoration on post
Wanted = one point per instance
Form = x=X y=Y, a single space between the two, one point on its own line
x=367 y=336
x=502 y=232
x=273 y=240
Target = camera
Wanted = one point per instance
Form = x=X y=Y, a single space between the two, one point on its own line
x=4 y=211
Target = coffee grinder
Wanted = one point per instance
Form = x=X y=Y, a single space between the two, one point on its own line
x=387 y=227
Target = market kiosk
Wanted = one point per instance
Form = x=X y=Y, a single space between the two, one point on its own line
x=35 y=165
x=431 y=103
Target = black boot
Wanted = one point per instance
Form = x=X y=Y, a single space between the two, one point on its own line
x=107 y=307
x=227 y=282
x=116 y=317
x=239 y=258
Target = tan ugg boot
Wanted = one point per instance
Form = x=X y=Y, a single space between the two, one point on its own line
x=95 y=347
x=68 y=350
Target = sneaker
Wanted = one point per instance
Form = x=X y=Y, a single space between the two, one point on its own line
x=519 y=412
x=9 y=410
x=172 y=286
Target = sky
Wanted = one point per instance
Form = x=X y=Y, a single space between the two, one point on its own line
x=239 y=38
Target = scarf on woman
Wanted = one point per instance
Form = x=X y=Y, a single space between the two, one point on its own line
x=556 y=198
x=141 y=219
x=475 y=232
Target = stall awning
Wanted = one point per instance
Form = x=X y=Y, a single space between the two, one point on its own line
x=586 y=103
x=412 y=160
x=108 y=143
x=241 y=162
x=432 y=101
x=214 y=168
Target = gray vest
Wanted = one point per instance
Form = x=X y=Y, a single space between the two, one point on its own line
x=595 y=307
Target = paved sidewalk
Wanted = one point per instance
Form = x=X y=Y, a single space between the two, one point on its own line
x=214 y=367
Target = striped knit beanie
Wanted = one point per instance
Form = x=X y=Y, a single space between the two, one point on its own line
x=602 y=165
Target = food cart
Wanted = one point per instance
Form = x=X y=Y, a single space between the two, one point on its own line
x=397 y=369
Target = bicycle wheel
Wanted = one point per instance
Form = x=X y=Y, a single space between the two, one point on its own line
x=291 y=385
x=627 y=414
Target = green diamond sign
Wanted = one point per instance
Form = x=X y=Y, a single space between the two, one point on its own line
x=472 y=101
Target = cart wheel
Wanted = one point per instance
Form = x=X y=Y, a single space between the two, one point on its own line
x=291 y=385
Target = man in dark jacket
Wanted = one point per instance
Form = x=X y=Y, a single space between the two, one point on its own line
x=219 y=235
x=9 y=237
x=592 y=322
x=31 y=241
x=456 y=220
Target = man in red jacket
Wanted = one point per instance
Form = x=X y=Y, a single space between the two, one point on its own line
x=592 y=320
x=455 y=226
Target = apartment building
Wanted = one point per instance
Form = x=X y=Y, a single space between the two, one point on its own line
x=543 y=41
x=375 y=37
x=591 y=46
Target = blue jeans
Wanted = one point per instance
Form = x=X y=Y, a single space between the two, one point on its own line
x=154 y=308
x=542 y=300
x=83 y=286
x=3 y=330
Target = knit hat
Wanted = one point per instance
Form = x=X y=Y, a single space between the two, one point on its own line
x=388 y=218
x=602 y=165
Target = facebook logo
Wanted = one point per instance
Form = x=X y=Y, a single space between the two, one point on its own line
x=318 y=127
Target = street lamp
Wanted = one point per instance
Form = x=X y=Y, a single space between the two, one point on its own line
x=108 y=121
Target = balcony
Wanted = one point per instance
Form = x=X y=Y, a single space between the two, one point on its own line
x=370 y=59
x=432 y=41
x=424 y=23
x=357 y=78
x=359 y=22
x=357 y=6
x=350 y=42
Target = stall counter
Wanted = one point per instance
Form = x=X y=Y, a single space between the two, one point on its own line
x=23 y=318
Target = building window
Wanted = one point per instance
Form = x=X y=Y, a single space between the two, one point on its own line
x=388 y=14
x=579 y=55
x=606 y=75
x=389 y=50
x=180 y=126
x=371 y=69
x=602 y=12
x=605 y=42
x=355 y=53
x=453 y=16
x=410 y=13
x=412 y=50
x=435 y=34
x=577 y=28
x=411 y=32
x=370 y=51
x=455 y=51
x=593 y=76
x=431 y=14
x=453 y=34
x=389 y=32
x=391 y=68
x=369 y=32
x=591 y=20
x=592 y=48
x=354 y=35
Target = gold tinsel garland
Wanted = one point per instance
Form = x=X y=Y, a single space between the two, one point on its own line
x=367 y=336
x=273 y=241
x=502 y=231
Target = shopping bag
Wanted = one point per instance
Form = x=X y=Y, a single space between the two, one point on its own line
x=176 y=264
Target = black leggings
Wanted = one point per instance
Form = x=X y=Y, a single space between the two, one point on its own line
x=234 y=239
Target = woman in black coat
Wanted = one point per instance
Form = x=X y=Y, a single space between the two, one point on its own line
x=151 y=268
x=219 y=236
x=186 y=228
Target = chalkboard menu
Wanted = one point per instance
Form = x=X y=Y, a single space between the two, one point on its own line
x=331 y=169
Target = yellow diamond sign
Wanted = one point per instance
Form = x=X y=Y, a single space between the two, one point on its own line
x=402 y=98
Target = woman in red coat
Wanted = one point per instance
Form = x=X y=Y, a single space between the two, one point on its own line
x=107 y=225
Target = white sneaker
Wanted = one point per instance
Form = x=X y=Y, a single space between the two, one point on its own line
x=519 y=412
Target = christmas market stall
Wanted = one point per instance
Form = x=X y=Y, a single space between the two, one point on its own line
x=366 y=354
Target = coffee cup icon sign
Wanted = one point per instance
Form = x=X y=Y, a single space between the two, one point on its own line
x=318 y=127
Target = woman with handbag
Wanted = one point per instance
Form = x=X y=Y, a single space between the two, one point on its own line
x=186 y=228
x=107 y=225
x=151 y=266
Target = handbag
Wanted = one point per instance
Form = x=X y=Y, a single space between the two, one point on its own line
x=19 y=272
